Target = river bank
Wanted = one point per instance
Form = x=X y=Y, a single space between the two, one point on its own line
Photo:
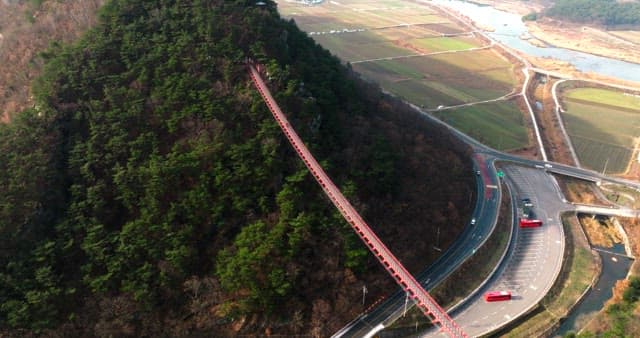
x=590 y=39
x=584 y=39
x=509 y=30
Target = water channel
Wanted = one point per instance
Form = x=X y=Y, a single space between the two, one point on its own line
x=508 y=28
x=614 y=267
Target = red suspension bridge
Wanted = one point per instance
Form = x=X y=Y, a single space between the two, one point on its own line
x=413 y=289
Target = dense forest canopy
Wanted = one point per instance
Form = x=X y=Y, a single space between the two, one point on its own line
x=605 y=12
x=149 y=192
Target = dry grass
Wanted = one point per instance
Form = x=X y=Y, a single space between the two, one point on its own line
x=28 y=29
x=600 y=231
x=579 y=191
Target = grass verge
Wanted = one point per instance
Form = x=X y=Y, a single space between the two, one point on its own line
x=579 y=269
x=497 y=124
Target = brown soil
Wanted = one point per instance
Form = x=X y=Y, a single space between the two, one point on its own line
x=579 y=191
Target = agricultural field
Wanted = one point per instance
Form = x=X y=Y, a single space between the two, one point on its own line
x=432 y=81
x=604 y=127
x=409 y=49
x=498 y=124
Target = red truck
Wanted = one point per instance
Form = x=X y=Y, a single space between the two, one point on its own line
x=530 y=223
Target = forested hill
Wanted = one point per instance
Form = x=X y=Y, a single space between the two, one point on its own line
x=604 y=12
x=150 y=193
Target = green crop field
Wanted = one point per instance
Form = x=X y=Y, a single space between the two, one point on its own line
x=439 y=44
x=595 y=155
x=606 y=97
x=406 y=33
x=497 y=124
x=357 y=47
x=400 y=29
x=431 y=82
x=603 y=126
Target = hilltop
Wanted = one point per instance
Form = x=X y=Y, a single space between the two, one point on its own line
x=149 y=192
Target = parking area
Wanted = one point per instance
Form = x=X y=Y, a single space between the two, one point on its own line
x=533 y=262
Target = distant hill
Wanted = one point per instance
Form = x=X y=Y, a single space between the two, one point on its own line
x=149 y=192
x=603 y=12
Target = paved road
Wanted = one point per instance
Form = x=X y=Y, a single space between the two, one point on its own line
x=533 y=262
x=471 y=239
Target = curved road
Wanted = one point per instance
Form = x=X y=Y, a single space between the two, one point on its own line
x=532 y=264
x=471 y=238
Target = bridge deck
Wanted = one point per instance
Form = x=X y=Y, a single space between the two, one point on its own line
x=414 y=290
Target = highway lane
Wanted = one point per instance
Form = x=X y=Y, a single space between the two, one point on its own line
x=465 y=245
x=532 y=264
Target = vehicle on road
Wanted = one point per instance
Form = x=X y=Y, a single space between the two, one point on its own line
x=473 y=221
x=527 y=202
x=496 y=296
x=530 y=223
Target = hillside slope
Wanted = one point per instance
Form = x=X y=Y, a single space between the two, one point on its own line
x=27 y=27
x=150 y=192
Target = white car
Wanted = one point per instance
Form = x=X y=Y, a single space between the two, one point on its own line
x=473 y=221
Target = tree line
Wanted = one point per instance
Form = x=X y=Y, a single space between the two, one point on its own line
x=604 y=12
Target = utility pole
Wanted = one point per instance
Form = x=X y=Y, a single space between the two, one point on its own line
x=364 y=293
x=437 y=246
x=605 y=166
x=406 y=300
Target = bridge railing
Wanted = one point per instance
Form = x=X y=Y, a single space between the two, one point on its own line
x=393 y=266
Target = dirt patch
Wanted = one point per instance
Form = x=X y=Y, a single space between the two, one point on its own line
x=579 y=191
